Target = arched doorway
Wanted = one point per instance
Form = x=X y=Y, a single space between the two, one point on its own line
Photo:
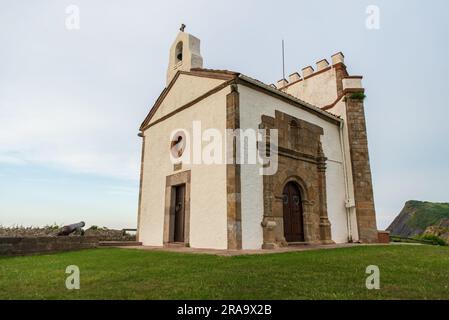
x=293 y=213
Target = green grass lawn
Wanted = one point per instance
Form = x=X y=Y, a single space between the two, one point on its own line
x=407 y=272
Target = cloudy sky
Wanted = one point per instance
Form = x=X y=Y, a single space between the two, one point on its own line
x=71 y=101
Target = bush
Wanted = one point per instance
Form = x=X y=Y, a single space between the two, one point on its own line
x=358 y=96
x=54 y=226
x=435 y=240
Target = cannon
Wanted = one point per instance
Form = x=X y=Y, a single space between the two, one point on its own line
x=71 y=229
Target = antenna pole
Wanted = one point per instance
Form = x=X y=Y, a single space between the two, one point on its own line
x=283 y=60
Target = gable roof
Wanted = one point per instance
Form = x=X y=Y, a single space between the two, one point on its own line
x=222 y=75
x=235 y=77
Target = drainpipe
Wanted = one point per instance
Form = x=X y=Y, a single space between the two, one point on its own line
x=347 y=197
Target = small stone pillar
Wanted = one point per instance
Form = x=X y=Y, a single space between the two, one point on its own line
x=325 y=226
x=269 y=236
x=310 y=223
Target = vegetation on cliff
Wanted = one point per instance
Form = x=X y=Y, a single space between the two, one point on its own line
x=418 y=218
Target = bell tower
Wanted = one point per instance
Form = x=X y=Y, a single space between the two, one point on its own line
x=184 y=54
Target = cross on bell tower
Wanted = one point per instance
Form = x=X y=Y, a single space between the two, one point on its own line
x=185 y=54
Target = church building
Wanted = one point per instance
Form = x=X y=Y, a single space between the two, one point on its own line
x=319 y=190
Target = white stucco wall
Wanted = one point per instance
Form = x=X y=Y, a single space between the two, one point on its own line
x=319 y=90
x=185 y=89
x=254 y=104
x=208 y=203
x=340 y=110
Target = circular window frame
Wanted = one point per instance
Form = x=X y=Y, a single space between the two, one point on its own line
x=178 y=138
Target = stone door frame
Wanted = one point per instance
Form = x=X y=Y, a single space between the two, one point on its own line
x=307 y=207
x=181 y=178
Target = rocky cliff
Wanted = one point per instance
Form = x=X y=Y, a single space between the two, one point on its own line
x=417 y=217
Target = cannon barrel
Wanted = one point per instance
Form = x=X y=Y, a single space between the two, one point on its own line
x=68 y=230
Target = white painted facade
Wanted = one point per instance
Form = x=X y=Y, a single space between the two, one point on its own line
x=319 y=90
x=254 y=104
x=208 y=194
x=208 y=218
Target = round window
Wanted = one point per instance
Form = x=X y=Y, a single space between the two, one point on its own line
x=178 y=144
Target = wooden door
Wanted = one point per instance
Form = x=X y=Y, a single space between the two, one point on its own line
x=180 y=192
x=293 y=213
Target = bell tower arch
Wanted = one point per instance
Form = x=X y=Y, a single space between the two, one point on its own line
x=185 y=54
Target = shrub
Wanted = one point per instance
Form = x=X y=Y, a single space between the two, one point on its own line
x=358 y=96
x=435 y=240
x=54 y=226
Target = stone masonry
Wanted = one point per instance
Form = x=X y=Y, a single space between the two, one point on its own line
x=361 y=171
x=301 y=160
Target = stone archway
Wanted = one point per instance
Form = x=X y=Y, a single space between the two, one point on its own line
x=304 y=164
x=273 y=223
x=309 y=206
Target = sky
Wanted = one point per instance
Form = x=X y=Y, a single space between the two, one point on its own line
x=72 y=100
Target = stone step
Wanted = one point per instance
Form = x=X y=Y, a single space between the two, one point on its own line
x=175 y=245
x=120 y=244
x=297 y=244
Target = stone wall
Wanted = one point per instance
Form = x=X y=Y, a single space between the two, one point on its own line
x=361 y=170
x=384 y=237
x=36 y=245
x=233 y=184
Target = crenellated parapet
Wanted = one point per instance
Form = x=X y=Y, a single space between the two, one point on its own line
x=320 y=84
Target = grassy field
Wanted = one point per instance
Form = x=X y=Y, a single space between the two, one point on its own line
x=407 y=272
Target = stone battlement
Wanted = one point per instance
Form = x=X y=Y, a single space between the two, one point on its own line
x=308 y=71
x=322 y=85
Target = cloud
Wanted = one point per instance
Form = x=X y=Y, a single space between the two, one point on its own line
x=69 y=134
x=11 y=160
